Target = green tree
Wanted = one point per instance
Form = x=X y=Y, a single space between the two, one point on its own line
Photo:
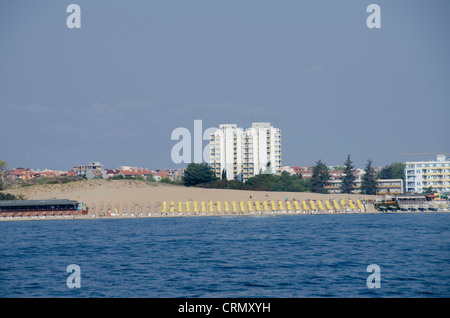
x=393 y=171
x=224 y=174
x=151 y=178
x=320 y=177
x=165 y=180
x=197 y=173
x=427 y=190
x=263 y=182
x=349 y=178
x=369 y=182
x=3 y=166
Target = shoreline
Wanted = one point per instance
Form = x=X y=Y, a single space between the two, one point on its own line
x=114 y=199
x=203 y=215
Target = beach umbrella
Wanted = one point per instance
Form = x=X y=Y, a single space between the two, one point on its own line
x=360 y=205
x=281 y=206
x=319 y=203
x=203 y=207
x=250 y=206
x=352 y=206
x=258 y=206
x=219 y=206
x=211 y=206
x=313 y=206
x=242 y=206
x=273 y=206
x=297 y=207
x=289 y=206
x=305 y=206
x=179 y=207
x=266 y=206
x=234 y=206
x=226 y=206
x=188 y=206
x=164 y=207
x=336 y=205
x=195 y=207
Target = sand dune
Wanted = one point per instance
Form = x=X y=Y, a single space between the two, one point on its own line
x=126 y=191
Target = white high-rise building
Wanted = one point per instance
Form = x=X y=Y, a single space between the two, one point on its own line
x=242 y=154
x=420 y=175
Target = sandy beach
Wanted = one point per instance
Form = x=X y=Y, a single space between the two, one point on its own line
x=104 y=195
x=96 y=191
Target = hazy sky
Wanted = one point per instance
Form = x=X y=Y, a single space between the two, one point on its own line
x=115 y=89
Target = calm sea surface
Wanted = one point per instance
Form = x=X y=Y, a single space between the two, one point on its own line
x=263 y=256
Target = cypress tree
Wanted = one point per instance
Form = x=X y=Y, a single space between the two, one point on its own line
x=320 y=177
x=349 y=178
x=369 y=182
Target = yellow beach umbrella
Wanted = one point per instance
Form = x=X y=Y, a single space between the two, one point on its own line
x=289 y=205
x=250 y=206
x=234 y=206
x=179 y=207
x=305 y=205
x=203 y=207
x=313 y=206
x=336 y=205
x=195 y=206
x=227 y=207
x=258 y=206
x=360 y=205
x=319 y=203
x=219 y=206
x=211 y=206
x=329 y=207
x=297 y=207
x=273 y=206
x=164 y=206
x=188 y=206
x=352 y=206
x=242 y=206
x=266 y=206
x=281 y=206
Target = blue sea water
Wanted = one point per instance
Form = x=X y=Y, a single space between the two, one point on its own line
x=257 y=256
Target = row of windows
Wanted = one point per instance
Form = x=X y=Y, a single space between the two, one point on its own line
x=427 y=165
x=414 y=172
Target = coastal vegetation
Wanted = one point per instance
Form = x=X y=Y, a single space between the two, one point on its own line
x=198 y=173
x=393 y=171
x=369 y=182
x=320 y=177
x=201 y=175
x=2 y=173
x=349 y=178
x=8 y=196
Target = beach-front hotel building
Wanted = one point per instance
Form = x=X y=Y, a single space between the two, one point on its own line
x=421 y=175
x=241 y=154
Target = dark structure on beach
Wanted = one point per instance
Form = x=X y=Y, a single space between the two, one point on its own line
x=23 y=208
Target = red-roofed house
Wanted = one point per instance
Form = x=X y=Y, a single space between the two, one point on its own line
x=134 y=172
x=159 y=175
x=21 y=173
